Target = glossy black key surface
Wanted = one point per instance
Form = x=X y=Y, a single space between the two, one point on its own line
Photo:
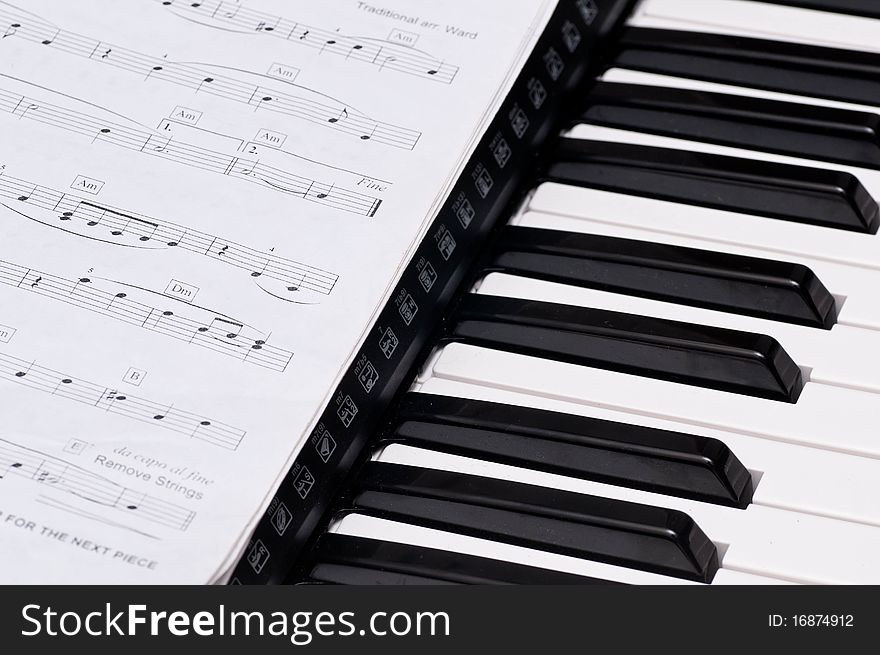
x=660 y=461
x=788 y=128
x=775 y=290
x=627 y=534
x=344 y=559
x=800 y=194
x=715 y=358
x=866 y=8
x=342 y=574
x=800 y=69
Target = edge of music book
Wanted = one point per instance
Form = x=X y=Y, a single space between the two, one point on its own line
x=399 y=338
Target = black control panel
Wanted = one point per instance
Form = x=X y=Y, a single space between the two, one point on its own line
x=396 y=343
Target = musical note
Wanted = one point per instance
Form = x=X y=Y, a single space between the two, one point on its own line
x=51 y=40
x=187 y=154
x=386 y=61
x=145 y=229
x=405 y=60
x=302 y=103
x=232 y=329
x=354 y=49
x=63 y=476
x=225 y=12
x=93 y=395
x=10 y=467
x=342 y=115
x=326 y=193
x=117 y=305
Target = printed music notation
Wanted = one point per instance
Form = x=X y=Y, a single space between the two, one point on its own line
x=126 y=227
x=114 y=401
x=61 y=475
x=226 y=14
x=318 y=109
x=167 y=147
x=219 y=334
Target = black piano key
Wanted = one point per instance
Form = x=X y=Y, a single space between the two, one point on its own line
x=800 y=69
x=638 y=536
x=788 y=128
x=801 y=194
x=633 y=456
x=339 y=574
x=775 y=290
x=866 y=8
x=342 y=574
x=345 y=559
x=715 y=358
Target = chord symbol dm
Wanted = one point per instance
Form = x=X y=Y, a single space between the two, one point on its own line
x=128 y=227
x=212 y=332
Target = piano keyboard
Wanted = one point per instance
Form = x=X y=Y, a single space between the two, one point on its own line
x=668 y=369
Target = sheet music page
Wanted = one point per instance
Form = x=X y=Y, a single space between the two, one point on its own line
x=203 y=204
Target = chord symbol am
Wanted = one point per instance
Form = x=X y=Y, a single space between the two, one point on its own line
x=87 y=184
x=184 y=115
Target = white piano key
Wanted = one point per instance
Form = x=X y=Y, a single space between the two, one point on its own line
x=870 y=179
x=759 y=540
x=847 y=263
x=787 y=476
x=843 y=356
x=360 y=525
x=826 y=417
x=727 y=577
x=760 y=20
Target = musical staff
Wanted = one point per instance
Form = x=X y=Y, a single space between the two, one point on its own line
x=219 y=334
x=61 y=475
x=317 y=109
x=384 y=55
x=166 y=147
x=126 y=226
x=114 y=401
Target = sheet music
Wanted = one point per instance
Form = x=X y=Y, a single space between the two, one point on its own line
x=202 y=207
